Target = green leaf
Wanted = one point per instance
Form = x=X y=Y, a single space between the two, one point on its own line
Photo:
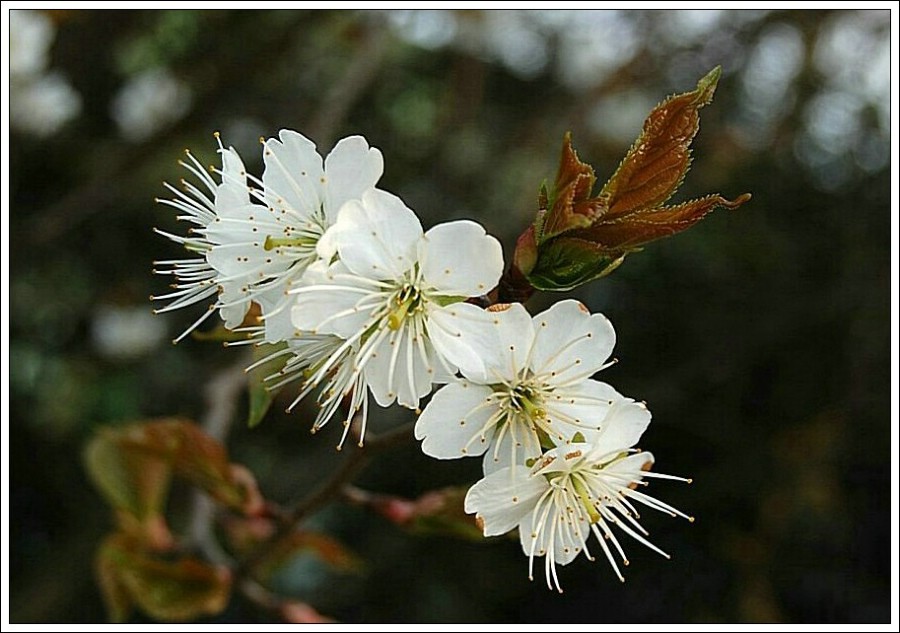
x=324 y=547
x=169 y=590
x=134 y=484
x=260 y=394
x=132 y=468
x=627 y=232
x=526 y=253
x=197 y=457
x=245 y=534
x=116 y=597
x=566 y=263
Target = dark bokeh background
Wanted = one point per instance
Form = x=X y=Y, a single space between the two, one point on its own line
x=759 y=338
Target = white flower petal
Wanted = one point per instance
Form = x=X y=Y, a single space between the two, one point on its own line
x=382 y=368
x=512 y=451
x=503 y=498
x=327 y=246
x=293 y=175
x=570 y=342
x=317 y=312
x=444 y=372
x=580 y=408
x=413 y=379
x=569 y=534
x=458 y=332
x=328 y=302
x=623 y=427
x=241 y=263
x=377 y=236
x=233 y=191
x=400 y=367
x=631 y=466
x=459 y=259
x=487 y=346
x=233 y=312
x=511 y=335
x=351 y=168
x=452 y=423
x=235 y=224
x=276 y=307
x=564 y=459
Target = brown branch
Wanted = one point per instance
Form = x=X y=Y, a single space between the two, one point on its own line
x=285 y=608
x=356 y=460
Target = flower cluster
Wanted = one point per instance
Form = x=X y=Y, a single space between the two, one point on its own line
x=363 y=301
x=559 y=456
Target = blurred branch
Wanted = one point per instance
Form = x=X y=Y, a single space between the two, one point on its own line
x=221 y=395
x=356 y=78
x=288 y=610
x=330 y=490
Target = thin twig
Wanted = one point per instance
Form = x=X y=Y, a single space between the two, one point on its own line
x=358 y=75
x=259 y=595
x=221 y=396
x=285 y=608
x=355 y=461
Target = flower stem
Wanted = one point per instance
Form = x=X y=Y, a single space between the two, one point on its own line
x=514 y=287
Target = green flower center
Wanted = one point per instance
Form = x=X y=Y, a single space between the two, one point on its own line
x=584 y=496
x=407 y=301
x=303 y=241
x=525 y=400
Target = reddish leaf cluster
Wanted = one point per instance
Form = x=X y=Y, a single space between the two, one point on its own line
x=141 y=564
x=165 y=589
x=578 y=236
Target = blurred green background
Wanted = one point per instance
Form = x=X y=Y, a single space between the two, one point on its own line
x=759 y=338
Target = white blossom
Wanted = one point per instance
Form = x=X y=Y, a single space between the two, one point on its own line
x=526 y=380
x=196 y=279
x=302 y=196
x=391 y=292
x=42 y=105
x=255 y=241
x=125 y=332
x=573 y=491
x=306 y=355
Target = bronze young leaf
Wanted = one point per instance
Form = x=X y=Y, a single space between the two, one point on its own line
x=578 y=236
